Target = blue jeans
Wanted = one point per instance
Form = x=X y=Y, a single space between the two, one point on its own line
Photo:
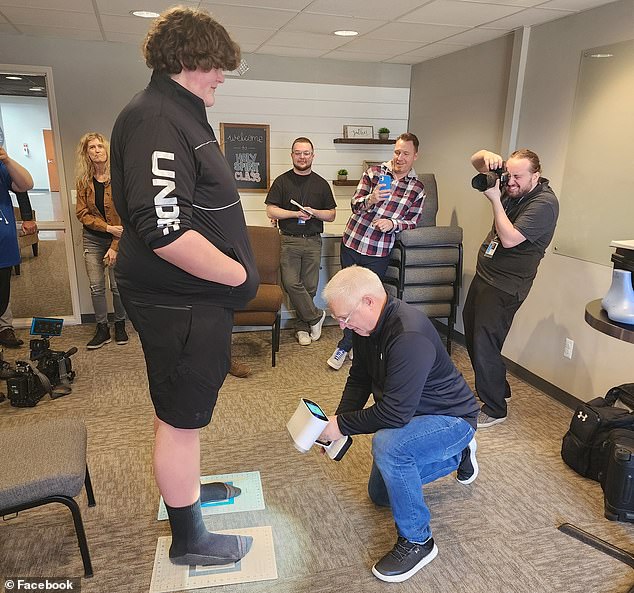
x=349 y=257
x=95 y=249
x=406 y=458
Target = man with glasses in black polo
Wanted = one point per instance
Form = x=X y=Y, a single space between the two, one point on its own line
x=301 y=201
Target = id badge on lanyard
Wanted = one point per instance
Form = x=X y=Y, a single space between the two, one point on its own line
x=492 y=246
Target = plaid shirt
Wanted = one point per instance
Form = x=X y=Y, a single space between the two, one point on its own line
x=403 y=208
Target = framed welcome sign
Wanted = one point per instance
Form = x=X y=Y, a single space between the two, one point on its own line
x=247 y=149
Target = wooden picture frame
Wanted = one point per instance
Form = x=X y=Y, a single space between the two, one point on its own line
x=350 y=132
x=368 y=164
x=247 y=149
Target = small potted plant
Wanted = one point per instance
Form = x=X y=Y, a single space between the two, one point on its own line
x=384 y=134
x=342 y=175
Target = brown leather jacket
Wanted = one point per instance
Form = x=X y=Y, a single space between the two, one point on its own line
x=89 y=215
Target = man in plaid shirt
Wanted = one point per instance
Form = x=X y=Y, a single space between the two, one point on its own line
x=377 y=215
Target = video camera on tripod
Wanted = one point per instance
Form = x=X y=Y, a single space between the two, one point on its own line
x=53 y=372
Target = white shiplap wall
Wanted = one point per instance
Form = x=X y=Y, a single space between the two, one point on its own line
x=318 y=111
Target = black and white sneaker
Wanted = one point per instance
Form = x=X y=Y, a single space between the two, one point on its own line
x=404 y=560
x=120 y=335
x=468 y=469
x=101 y=337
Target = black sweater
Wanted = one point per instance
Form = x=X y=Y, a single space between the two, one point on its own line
x=169 y=176
x=404 y=364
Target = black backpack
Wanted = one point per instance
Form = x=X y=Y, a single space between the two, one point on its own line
x=585 y=445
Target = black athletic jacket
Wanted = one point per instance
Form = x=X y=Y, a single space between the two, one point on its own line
x=405 y=366
x=169 y=176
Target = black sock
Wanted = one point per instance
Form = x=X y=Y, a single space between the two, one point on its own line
x=216 y=491
x=193 y=544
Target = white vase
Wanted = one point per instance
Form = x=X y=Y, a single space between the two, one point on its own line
x=619 y=302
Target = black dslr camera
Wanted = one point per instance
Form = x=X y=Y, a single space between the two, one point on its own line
x=53 y=372
x=484 y=181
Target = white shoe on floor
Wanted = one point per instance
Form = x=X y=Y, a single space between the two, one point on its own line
x=337 y=359
x=315 y=330
x=303 y=338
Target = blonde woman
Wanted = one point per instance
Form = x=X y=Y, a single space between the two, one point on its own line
x=102 y=230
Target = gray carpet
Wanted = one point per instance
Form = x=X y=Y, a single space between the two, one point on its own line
x=497 y=535
x=42 y=288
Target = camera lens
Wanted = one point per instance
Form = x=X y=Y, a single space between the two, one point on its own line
x=484 y=181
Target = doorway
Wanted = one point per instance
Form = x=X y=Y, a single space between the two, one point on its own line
x=47 y=283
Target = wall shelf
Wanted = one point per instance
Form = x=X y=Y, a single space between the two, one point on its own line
x=363 y=141
x=348 y=182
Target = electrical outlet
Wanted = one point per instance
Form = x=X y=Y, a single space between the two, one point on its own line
x=568 y=348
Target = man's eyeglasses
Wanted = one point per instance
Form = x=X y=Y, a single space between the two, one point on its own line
x=302 y=152
x=344 y=320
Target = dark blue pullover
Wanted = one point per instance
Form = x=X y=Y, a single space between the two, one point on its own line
x=405 y=366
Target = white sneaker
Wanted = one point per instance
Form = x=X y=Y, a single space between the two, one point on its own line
x=337 y=359
x=303 y=338
x=350 y=354
x=315 y=330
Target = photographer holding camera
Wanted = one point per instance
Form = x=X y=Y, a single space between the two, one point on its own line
x=525 y=211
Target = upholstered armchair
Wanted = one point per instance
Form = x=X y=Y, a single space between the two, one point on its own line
x=265 y=308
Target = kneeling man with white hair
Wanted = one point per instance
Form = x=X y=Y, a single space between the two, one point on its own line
x=424 y=414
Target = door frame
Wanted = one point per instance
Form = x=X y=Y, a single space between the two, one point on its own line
x=64 y=225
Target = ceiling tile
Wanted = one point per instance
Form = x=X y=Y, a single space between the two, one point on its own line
x=118 y=37
x=433 y=50
x=247 y=48
x=477 y=35
x=295 y=52
x=253 y=37
x=365 y=8
x=241 y=15
x=123 y=7
x=575 y=5
x=125 y=24
x=413 y=32
x=404 y=59
x=66 y=33
x=73 y=5
x=450 y=12
x=326 y=24
x=358 y=56
x=41 y=17
x=314 y=40
x=281 y=4
x=526 y=18
x=521 y=3
x=369 y=43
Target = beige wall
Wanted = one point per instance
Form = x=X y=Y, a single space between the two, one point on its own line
x=457 y=105
x=555 y=308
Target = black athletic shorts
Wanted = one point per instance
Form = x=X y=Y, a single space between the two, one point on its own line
x=187 y=353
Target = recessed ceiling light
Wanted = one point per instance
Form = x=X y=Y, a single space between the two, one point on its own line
x=601 y=55
x=145 y=14
x=346 y=33
x=13 y=77
x=36 y=88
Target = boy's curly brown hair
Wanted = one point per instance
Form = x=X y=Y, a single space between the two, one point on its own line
x=186 y=38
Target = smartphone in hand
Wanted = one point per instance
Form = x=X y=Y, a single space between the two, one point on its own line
x=385 y=181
